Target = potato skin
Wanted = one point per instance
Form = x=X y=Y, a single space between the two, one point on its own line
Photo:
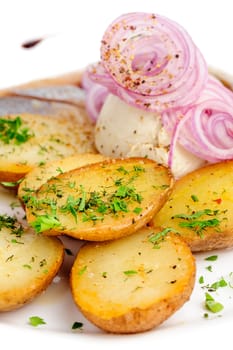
x=209 y=188
x=100 y=300
x=142 y=320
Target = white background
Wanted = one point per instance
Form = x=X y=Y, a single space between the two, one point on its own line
x=74 y=30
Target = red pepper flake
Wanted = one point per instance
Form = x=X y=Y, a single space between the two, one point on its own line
x=218 y=200
x=132 y=27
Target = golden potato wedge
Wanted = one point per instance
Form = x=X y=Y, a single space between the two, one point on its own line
x=37 y=139
x=128 y=286
x=40 y=175
x=200 y=208
x=28 y=263
x=100 y=201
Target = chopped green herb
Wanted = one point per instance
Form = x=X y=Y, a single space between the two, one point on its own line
x=77 y=325
x=36 y=321
x=209 y=268
x=194 y=198
x=12 y=224
x=11 y=183
x=198 y=226
x=156 y=238
x=45 y=222
x=122 y=170
x=138 y=168
x=83 y=199
x=201 y=279
x=212 y=305
x=212 y=258
x=219 y=284
x=137 y=210
x=130 y=272
x=59 y=170
x=15 y=241
x=7 y=221
x=82 y=270
x=27 y=266
x=13 y=130
x=72 y=205
x=41 y=163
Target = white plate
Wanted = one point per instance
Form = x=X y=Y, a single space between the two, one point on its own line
x=58 y=310
x=75 y=29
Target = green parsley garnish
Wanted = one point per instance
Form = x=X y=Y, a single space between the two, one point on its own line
x=209 y=268
x=193 y=221
x=36 y=321
x=77 y=325
x=194 y=198
x=216 y=285
x=45 y=222
x=11 y=183
x=82 y=270
x=219 y=284
x=13 y=130
x=201 y=279
x=12 y=224
x=158 y=237
x=130 y=272
x=212 y=305
x=211 y=258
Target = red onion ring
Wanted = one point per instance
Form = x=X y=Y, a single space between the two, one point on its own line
x=95 y=95
x=206 y=128
x=153 y=62
x=95 y=98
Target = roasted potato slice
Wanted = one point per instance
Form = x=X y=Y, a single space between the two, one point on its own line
x=29 y=140
x=128 y=286
x=40 y=175
x=28 y=263
x=100 y=201
x=200 y=208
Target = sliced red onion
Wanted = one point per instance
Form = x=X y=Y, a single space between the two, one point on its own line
x=86 y=82
x=95 y=95
x=153 y=62
x=95 y=98
x=206 y=128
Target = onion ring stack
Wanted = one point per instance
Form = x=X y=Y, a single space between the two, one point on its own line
x=151 y=62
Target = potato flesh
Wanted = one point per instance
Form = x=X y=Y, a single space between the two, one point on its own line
x=207 y=188
x=40 y=175
x=153 y=184
x=102 y=287
x=29 y=258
